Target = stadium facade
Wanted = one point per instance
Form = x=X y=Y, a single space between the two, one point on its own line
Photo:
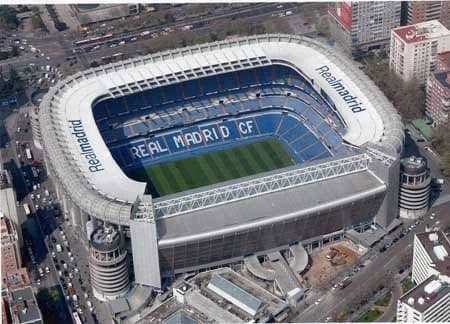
x=343 y=134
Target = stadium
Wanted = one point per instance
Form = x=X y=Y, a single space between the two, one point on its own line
x=206 y=154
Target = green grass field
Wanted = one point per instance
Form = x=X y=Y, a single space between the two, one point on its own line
x=209 y=168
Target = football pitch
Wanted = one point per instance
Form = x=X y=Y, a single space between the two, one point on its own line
x=209 y=168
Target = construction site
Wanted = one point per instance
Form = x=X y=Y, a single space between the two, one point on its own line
x=329 y=262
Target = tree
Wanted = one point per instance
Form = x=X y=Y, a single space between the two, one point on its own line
x=8 y=18
x=407 y=97
x=445 y=164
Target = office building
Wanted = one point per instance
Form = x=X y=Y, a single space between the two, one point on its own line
x=429 y=301
x=359 y=27
x=420 y=11
x=414 y=49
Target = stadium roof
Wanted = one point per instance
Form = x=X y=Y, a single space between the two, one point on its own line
x=83 y=163
x=282 y=205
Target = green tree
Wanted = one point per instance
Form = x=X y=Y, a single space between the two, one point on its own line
x=445 y=164
x=8 y=18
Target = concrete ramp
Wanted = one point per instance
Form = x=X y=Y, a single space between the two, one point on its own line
x=285 y=278
x=255 y=268
x=300 y=260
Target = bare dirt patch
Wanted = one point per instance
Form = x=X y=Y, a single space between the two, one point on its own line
x=322 y=271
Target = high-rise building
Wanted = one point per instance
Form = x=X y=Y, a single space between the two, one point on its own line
x=420 y=11
x=359 y=27
x=438 y=98
x=414 y=48
x=429 y=301
x=11 y=260
x=438 y=92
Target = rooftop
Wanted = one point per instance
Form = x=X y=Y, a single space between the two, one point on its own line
x=421 y=31
x=234 y=294
x=282 y=205
x=426 y=294
x=437 y=246
x=24 y=306
x=104 y=238
x=180 y=317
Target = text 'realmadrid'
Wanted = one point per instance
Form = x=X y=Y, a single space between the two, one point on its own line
x=352 y=101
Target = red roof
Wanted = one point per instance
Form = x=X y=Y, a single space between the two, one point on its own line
x=408 y=34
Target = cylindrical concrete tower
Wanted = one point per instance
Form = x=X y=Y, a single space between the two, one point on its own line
x=414 y=187
x=108 y=264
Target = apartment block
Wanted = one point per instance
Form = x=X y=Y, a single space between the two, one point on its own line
x=420 y=11
x=359 y=27
x=414 y=49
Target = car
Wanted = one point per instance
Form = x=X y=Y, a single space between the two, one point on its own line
x=432 y=216
x=47 y=270
x=38 y=282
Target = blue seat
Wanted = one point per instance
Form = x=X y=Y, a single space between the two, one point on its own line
x=314 y=151
x=116 y=106
x=190 y=89
x=287 y=123
x=295 y=133
x=154 y=97
x=277 y=101
x=100 y=111
x=209 y=85
x=304 y=142
x=108 y=136
x=246 y=78
x=268 y=123
x=228 y=81
x=251 y=105
x=265 y=75
x=135 y=101
x=171 y=93
x=140 y=128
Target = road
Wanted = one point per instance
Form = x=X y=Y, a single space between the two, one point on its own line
x=370 y=277
x=57 y=46
x=389 y=261
x=41 y=226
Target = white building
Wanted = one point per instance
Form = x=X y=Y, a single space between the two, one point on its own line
x=414 y=48
x=429 y=301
